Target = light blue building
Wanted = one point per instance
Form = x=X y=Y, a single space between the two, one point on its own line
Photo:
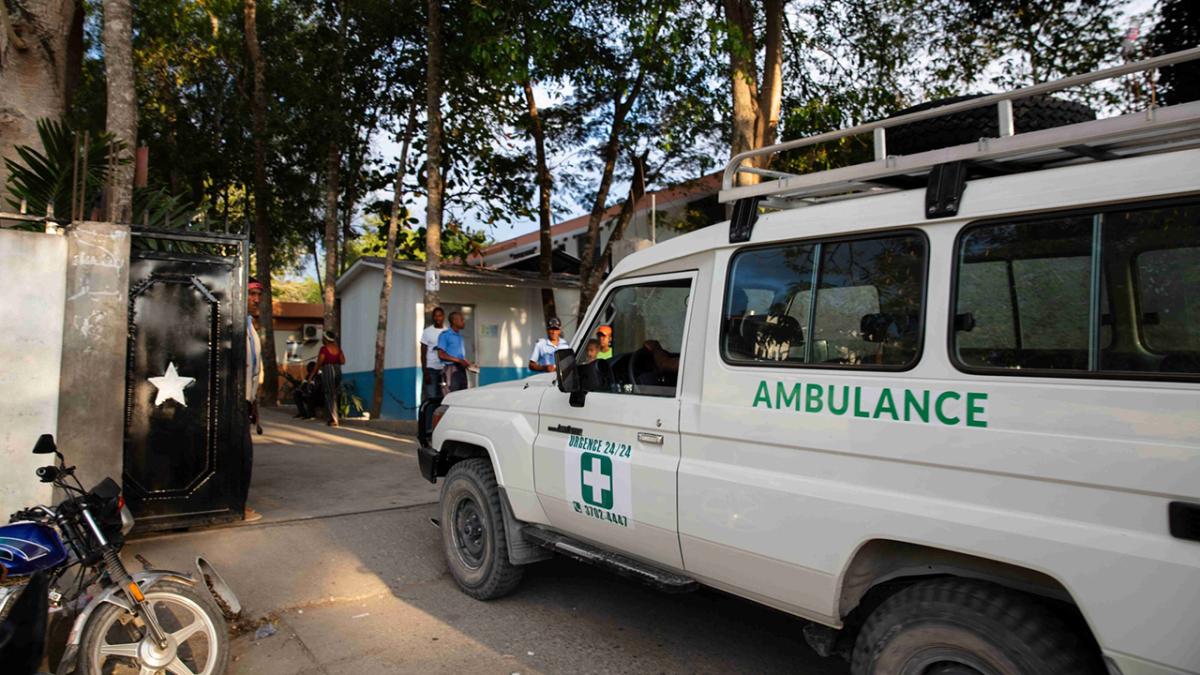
x=503 y=309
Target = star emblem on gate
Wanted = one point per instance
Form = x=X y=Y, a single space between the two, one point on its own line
x=170 y=386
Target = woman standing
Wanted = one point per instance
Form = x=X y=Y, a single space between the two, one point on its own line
x=329 y=367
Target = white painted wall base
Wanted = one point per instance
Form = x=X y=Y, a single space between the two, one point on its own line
x=33 y=266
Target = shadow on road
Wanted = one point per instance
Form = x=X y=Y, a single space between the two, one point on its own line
x=347 y=559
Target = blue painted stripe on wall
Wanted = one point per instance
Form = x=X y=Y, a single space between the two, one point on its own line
x=399 y=391
x=400 y=387
x=494 y=374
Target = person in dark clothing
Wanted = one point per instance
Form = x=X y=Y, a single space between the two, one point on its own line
x=306 y=393
x=329 y=366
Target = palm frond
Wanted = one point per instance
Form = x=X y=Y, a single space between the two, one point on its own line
x=43 y=178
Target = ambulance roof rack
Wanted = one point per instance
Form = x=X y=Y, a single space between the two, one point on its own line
x=944 y=170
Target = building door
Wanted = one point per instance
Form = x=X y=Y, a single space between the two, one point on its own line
x=185 y=425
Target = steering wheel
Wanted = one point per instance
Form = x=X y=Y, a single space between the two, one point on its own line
x=632 y=371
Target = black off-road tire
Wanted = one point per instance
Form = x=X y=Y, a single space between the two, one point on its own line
x=1029 y=114
x=931 y=626
x=473 y=535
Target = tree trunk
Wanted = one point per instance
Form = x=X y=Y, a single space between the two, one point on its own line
x=333 y=165
x=589 y=275
x=546 y=250
x=623 y=218
x=312 y=244
x=39 y=57
x=121 y=119
x=743 y=73
x=385 y=293
x=433 y=153
x=589 y=258
x=348 y=205
x=756 y=105
x=263 y=244
x=770 y=94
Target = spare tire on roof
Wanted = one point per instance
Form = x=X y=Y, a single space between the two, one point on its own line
x=1029 y=114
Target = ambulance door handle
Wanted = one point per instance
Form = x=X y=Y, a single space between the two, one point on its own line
x=645 y=437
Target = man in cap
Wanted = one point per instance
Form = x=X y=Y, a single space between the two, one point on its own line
x=604 y=336
x=542 y=358
x=254 y=379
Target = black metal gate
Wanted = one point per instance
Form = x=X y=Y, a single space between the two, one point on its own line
x=185 y=420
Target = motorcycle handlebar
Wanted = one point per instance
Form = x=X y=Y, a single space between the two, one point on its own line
x=31 y=514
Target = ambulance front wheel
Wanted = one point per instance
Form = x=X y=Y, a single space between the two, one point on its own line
x=473 y=535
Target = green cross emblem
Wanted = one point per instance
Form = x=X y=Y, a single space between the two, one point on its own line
x=595 y=474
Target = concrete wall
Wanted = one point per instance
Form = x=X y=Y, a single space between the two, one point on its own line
x=33 y=265
x=507 y=323
x=91 y=404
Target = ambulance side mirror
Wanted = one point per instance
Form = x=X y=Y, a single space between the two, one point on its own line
x=566 y=371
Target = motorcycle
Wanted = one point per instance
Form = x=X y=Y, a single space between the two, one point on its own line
x=153 y=621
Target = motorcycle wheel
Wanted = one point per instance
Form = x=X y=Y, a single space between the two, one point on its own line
x=116 y=642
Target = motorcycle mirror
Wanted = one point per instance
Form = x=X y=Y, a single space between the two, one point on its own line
x=45 y=445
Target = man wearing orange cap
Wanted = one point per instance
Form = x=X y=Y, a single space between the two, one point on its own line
x=604 y=335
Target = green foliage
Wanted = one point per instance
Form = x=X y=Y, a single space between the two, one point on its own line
x=43 y=178
x=296 y=290
x=847 y=63
x=1031 y=41
x=1177 y=29
x=350 y=404
x=458 y=242
x=349 y=72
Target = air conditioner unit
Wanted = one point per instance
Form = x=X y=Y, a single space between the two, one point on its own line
x=312 y=332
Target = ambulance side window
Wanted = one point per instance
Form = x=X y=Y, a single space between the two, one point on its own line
x=867 y=312
x=1104 y=292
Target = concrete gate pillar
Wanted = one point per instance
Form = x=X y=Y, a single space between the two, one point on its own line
x=91 y=400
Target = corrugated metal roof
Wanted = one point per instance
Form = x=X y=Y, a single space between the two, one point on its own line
x=707 y=184
x=478 y=276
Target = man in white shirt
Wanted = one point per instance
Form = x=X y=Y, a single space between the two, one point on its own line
x=254 y=380
x=542 y=358
x=431 y=365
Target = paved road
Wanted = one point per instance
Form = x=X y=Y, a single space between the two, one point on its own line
x=364 y=590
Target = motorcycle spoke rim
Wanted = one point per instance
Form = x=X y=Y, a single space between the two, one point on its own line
x=126 y=649
x=178 y=667
x=183 y=634
x=179 y=608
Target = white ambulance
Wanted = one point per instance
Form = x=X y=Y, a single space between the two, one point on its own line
x=944 y=403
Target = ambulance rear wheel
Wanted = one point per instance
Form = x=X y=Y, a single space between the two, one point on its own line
x=965 y=627
x=473 y=535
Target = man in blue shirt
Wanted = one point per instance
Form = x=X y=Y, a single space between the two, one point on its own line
x=542 y=358
x=452 y=352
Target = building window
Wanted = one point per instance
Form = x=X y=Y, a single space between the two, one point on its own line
x=867 y=313
x=1101 y=292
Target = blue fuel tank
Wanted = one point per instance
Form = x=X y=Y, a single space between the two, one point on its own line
x=26 y=548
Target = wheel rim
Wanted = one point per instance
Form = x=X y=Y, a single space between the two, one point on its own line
x=470 y=533
x=125 y=648
x=950 y=668
x=946 y=661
